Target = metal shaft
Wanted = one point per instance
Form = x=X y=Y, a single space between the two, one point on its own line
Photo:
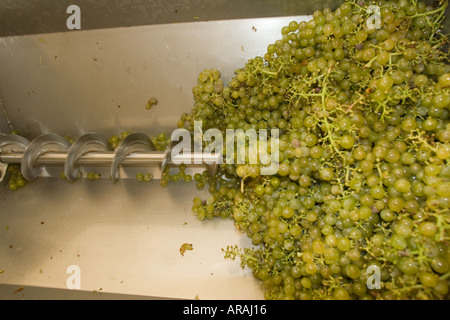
x=106 y=158
x=93 y=149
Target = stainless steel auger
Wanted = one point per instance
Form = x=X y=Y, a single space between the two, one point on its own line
x=136 y=149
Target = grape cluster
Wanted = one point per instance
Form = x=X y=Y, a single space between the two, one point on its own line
x=364 y=147
x=92 y=176
x=160 y=141
x=364 y=175
x=144 y=177
x=16 y=179
x=115 y=140
x=168 y=175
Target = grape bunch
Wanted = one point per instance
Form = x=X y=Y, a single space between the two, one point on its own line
x=16 y=179
x=159 y=142
x=167 y=176
x=363 y=179
x=364 y=148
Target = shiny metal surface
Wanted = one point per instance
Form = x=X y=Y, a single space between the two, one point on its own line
x=125 y=237
x=93 y=149
x=43 y=144
x=90 y=142
x=20 y=17
x=71 y=83
x=93 y=158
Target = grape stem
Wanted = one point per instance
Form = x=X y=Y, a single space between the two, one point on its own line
x=440 y=10
x=445 y=276
x=360 y=99
x=242 y=182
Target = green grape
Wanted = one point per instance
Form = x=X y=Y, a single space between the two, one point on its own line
x=408 y=265
x=398 y=242
x=16 y=179
x=427 y=228
x=429 y=279
x=363 y=174
x=13 y=186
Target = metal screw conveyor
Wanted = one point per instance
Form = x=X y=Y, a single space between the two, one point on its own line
x=51 y=149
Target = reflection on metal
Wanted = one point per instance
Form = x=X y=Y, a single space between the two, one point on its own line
x=41 y=145
x=71 y=83
x=91 y=149
x=134 y=142
x=49 y=16
x=87 y=143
